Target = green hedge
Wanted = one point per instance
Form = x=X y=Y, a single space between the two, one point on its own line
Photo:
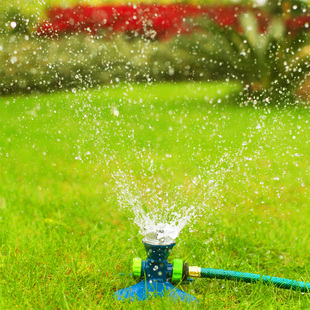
x=78 y=61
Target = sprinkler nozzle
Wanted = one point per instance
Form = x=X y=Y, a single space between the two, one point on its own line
x=155 y=239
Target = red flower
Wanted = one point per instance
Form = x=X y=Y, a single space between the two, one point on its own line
x=298 y=23
x=154 y=21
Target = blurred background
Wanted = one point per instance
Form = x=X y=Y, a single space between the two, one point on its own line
x=53 y=45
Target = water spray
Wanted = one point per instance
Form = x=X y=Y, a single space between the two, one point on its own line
x=156 y=275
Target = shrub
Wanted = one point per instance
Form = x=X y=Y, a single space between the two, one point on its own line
x=261 y=51
x=269 y=66
x=14 y=21
x=79 y=61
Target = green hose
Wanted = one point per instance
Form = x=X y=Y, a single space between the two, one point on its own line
x=253 y=278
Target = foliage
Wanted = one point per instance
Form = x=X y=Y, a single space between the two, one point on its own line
x=14 y=21
x=267 y=53
x=270 y=63
x=162 y=21
x=151 y=21
x=79 y=61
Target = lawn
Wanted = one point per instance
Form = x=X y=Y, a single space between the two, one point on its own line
x=66 y=243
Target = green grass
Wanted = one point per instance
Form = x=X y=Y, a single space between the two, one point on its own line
x=64 y=240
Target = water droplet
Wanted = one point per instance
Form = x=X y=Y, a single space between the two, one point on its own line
x=13 y=24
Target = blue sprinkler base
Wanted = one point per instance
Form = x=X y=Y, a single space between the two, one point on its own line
x=145 y=290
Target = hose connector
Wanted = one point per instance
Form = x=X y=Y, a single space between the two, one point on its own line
x=194 y=271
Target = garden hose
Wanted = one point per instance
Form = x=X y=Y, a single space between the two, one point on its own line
x=248 y=278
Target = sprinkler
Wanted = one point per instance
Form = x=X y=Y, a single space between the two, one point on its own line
x=156 y=275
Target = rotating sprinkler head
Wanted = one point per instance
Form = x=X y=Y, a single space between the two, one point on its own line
x=156 y=274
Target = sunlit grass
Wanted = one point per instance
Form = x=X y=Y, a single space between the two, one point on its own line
x=64 y=241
